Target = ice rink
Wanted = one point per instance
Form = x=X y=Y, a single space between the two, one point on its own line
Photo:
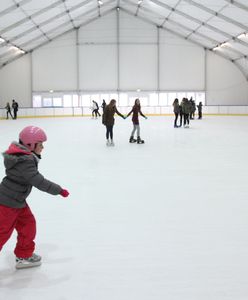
x=167 y=220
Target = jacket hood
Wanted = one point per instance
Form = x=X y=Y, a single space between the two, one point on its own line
x=15 y=153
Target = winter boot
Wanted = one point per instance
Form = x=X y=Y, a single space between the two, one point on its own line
x=112 y=143
x=132 y=140
x=29 y=262
x=140 y=141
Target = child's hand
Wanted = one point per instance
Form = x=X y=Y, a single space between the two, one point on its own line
x=64 y=193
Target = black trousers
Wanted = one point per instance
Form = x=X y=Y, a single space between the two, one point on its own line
x=9 y=113
x=185 y=119
x=109 y=132
x=175 y=121
x=15 y=113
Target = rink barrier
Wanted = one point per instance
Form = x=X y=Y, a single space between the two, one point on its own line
x=48 y=112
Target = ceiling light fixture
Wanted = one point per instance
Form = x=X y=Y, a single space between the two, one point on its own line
x=139 y=2
x=242 y=35
x=224 y=44
x=100 y=2
x=2 y=40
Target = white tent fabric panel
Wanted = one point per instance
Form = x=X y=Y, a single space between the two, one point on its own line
x=89 y=34
x=212 y=34
x=49 y=64
x=229 y=53
x=184 y=21
x=49 y=15
x=10 y=18
x=91 y=63
x=26 y=37
x=240 y=14
x=13 y=33
x=227 y=27
x=243 y=64
x=181 y=31
x=209 y=23
x=5 y=4
x=141 y=61
x=202 y=41
x=55 y=32
x=59 y=21
x=143 y=33
x=155 y=8
x=244 y=2
x=239 y=47
x=193 y=11
x=189 y=59
x=35 y=43
x=32 y=7
x=213 y=4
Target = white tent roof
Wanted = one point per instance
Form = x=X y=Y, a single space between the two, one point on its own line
x=218 y=25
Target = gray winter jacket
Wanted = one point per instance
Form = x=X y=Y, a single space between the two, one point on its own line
x=21 y=175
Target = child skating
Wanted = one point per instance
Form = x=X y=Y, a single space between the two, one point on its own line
x=21 y=164
x=136 y=110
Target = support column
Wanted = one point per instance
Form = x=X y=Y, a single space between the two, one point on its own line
x=77 y=61
x=118 y=47
x=205 y=75
x=158 y=59
x=31 y=77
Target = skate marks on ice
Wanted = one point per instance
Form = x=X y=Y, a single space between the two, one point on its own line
x=35 y=277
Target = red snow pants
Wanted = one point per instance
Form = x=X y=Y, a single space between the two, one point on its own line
x=23 y=221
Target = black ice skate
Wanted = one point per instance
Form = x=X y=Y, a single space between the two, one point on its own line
x=132 y=140
x=140 y=141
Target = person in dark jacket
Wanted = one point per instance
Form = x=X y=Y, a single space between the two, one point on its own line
x=176 y=110
x=8 y=111
x=103 y=105
x=108 y=120
x=15 y=107
x=186 y=112
x=21 y=164
x=199 y=106
x=136 y=110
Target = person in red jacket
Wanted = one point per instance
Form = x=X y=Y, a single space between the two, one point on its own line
x=21 y=164
x=136 y=110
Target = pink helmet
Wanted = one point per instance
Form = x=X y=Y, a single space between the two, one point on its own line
x=32 y=135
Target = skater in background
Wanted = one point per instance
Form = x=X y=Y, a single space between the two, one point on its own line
x=186 y=112
x=95 y=109
x=15 y=107
x=8 y=111
x=108 y=120
x=199 y=106
x=136 y=110
x=103 y=105
x=176 y=109
x=180 y=114
x=192 y=108
x=21 y=164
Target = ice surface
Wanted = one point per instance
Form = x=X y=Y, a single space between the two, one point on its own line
x=163 y=220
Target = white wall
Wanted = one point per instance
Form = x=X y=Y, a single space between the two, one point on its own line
x=135 y=59
x=182 y=64
x=98 y=54
x=55 y=65
x=15 y=82
x=226 y=85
